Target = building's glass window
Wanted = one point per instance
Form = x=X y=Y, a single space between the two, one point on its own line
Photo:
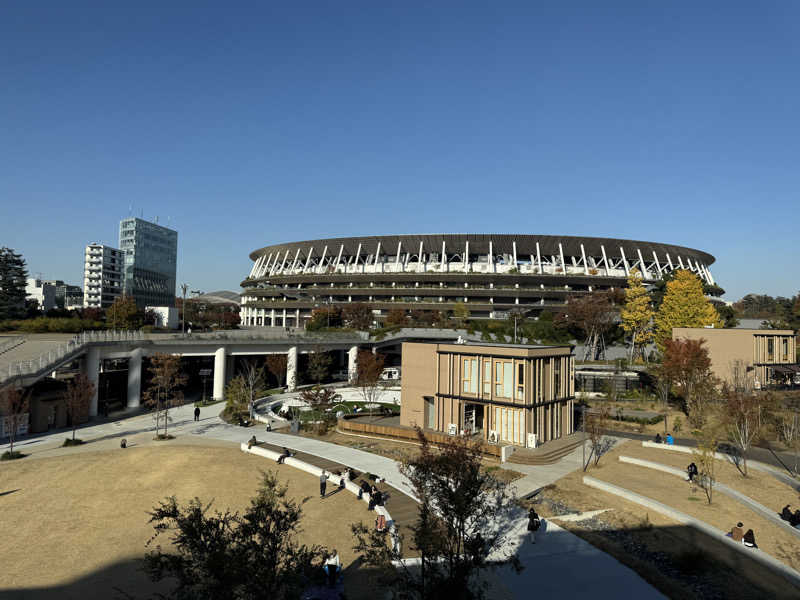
x=520 y=381
x=508 y=380
x=487 y=377
x=470 y=376
x=498 y=378
x=785 y=349
x=557 y=377
x=770 y=349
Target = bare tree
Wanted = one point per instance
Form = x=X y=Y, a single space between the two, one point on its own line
x=663 y=386
x=705 y=455
x=319 y=363
x=368 y=376
x=276 y=364
x=743 y=420
x=595 y=424
x=164 y=392
x=594 y=315
x=14 y=405
x=77 y=397
x=787 y=424
x=253 y=381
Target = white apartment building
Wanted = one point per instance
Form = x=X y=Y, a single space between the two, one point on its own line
x=102 y=275
x=42 y=291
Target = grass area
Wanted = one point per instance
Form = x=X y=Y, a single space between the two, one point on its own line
x=91 y=526
x=666 y=554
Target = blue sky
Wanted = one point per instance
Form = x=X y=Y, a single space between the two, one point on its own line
x=247 y=124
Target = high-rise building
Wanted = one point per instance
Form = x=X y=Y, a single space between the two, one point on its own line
x=151 y=256
x=102 y=275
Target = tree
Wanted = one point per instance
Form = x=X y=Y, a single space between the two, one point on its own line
x=319 y=363
x=705 y=454
x=357 y=316
x=461 y=520
x=77 y=397
x=320 y=396
x=684 y=305
x=122 y=313
x=396 y=317
x=236 y=399
x=323 y=317
x=787 y=425
x=663 y=386
x=14 y=407
x=727 y=315
x=460 y=314
x=423 y=318
x=166 y=379
x=276 y=364
x=637 y=315
x=593 y=315
x=595 y=424
x=254 y=386
x=228 y=556
x=369 y=367
x=686 y=363
x=742 y=416
x=13 y=281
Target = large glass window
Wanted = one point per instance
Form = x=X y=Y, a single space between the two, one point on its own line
x=508 y=380
x=785 y=348
x=470 y=376
x=487 y=377
x=557 y=377
x=770 y=349
x=520 y=381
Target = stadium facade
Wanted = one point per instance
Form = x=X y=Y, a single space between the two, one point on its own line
x=492 y=274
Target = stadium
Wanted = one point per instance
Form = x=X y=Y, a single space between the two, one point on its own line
x=491 y=274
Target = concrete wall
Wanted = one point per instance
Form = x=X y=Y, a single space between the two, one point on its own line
x=419 y=380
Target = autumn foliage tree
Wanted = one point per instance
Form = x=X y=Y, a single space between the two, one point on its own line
x=357 y=315
x=369 y=367
x=276 y=364
x=637 y=315
x=396 y=317
x=684 y=305
x=77 y=396
x=122 y=314
x=687 y=365
x=166 y=381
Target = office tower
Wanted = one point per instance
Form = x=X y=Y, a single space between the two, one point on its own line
x=151 y=255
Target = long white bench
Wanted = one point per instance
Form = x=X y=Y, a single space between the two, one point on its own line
x=317 y=471
x=747 y=501
x=763 y=558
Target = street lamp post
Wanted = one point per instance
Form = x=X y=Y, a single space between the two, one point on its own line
x=184 y=287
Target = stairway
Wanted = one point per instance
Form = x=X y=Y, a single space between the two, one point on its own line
x=547 y=453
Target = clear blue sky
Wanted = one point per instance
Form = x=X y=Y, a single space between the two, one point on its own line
x=248 y=124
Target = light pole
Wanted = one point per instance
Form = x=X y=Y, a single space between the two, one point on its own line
x=184 y=287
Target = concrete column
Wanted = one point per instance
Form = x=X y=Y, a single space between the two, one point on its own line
x=135 y=378
x=291 y=369
x=352 y=363
x=219 y=374
x=92 y=369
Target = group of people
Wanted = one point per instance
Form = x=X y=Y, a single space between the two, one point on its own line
x=323 y=480
x=738 y=534
x=793 y=518
x=665 y=440
x=376 y=497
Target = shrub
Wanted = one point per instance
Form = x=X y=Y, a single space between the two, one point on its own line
x=7 y=455
x=70 y=442
x=677 y=424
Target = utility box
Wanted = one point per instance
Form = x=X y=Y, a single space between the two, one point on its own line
x=166 y=316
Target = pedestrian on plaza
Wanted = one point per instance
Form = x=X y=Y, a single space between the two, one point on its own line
x=749 y=539
x=333 y=565
x=284 y=455
x=533 y=524
x=341 y=480
x=196 y=413
x=323 y=483
x=691 y=471
x=670 y=439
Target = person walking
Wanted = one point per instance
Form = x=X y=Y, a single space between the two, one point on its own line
x=533 y=524
x=691 y=471
x=333 y=565
x=196 y=413
x=323 y=483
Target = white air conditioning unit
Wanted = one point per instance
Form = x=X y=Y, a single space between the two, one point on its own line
x=452 y=429
x=493 y=437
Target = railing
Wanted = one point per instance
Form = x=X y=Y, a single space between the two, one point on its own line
x=73 y=347
x=11 y=342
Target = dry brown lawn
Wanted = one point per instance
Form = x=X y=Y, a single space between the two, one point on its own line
x=723 y=513
x=75 y=526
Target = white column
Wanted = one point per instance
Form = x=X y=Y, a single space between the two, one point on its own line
x=466 y=257
x=645 y=273
x=585 y=264
x=92 y=368
x=352 y=364
x=491 y=258
x=135 y=378
x=538 y=258
x=219 y=374
x=291 y=369
x=624 y=261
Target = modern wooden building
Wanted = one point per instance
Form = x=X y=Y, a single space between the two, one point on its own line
x=508 y=394
x=769 y=355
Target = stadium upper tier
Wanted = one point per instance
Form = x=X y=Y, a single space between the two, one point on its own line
x=490 y=272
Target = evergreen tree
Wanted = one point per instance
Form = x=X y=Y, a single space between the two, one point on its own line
x=13 y=278
x=637 y=315
x=684 y=305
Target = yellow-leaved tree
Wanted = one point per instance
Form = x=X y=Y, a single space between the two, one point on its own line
x=637 y=315
x=684 y=305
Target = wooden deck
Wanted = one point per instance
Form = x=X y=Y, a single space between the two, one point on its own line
x=401 y=507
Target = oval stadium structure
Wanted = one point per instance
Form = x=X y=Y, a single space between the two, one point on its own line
x=491 y=274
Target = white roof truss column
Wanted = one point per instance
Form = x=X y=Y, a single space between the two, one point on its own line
x=378 y=257
x=561 y=254
x=444 y=256
x=585 y=264
x=420 y=264
x=308 y=259
x=466 y=258
x=514 y=250
x=285 y=260
x=257 y=265
x=294 y=262
x=658 y=265
x=642 y=266
x=538 y=258
x=605 y=260
x=338 y=257
x=321 y=267
x=708 y=275
x=624 y=261
x=491 y=257
x=265 y=268
x=669 y=262
x=358 y=255
x=680 y=262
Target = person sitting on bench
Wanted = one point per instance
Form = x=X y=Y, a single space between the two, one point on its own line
x=737 y=533
x=658 y=438
x=749 y=539
x=795 y=520
x=786 y=513
x=286 y=454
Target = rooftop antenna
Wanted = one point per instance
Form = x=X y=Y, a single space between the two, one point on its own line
x=130 y=209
